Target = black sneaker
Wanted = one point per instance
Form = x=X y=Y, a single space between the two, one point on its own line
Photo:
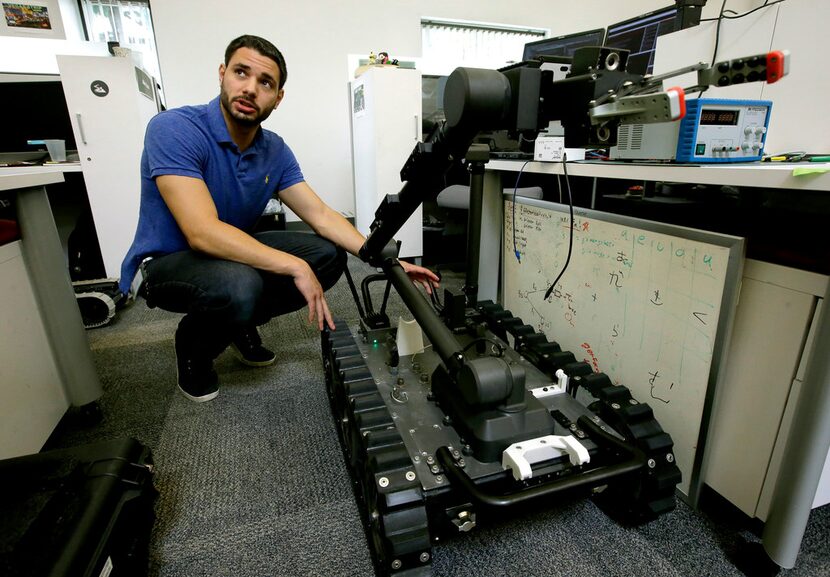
x=195 y=376
x=247 y=346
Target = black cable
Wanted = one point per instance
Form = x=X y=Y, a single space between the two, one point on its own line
x=765 y=5
x=354 y=293
x=721 y=16
x=385 y=296
x=486 y=340
x=571 y=239
x=515 y=188
x=436 y=302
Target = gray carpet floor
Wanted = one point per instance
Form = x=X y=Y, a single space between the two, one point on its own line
x=253 y=484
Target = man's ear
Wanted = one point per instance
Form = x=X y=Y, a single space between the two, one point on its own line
x=221 y=73
x=280 y=94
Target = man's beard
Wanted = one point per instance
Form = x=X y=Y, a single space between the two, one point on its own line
x=240 y=118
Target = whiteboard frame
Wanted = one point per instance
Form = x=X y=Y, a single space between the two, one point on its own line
x=729 y=302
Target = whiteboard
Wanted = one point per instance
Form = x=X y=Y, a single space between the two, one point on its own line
x=648 y=304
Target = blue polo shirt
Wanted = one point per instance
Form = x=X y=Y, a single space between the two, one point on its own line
x=194 y=141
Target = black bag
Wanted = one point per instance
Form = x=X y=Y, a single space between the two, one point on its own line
x=80 y=512
x=84 y=251
x=97 y=300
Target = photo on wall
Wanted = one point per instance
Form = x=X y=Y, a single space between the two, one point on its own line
x=359 y=101
x=35 y=18
x=27 y=16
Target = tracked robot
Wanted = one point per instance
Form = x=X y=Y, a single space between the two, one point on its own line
x=494 y=416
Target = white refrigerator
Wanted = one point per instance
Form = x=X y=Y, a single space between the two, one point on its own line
x=386 y=126
x=110 y=102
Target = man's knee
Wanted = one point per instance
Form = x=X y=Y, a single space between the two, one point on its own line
x=237 y=296
x=332 y=266
x=225 y=290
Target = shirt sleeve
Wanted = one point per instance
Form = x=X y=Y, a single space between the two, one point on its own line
x=174 y=145
x=291 y=173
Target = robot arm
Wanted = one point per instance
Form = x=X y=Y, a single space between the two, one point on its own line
x=597 y=95
x=474 y=100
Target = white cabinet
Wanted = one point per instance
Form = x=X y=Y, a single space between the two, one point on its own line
x=822 y=496
x=32 y=400
x=762 y=377
x=386 y=125
x=110 y=102
x=45 y=361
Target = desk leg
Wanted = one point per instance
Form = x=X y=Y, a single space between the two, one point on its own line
x=593 y=193
x=49 y=275
x=805 y=453
x=492 y=223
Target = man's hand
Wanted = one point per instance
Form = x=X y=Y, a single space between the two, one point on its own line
x=306 y=282
x=421 y=275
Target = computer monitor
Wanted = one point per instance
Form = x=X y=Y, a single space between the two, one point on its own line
x=432 y=101
x=639 y=35
x=33 y=110
x=563 y=45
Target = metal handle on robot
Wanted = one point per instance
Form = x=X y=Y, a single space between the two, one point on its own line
x=643 y=109
x=520 y=457
x=769 y=67
x=635 y=461
x=632 y=102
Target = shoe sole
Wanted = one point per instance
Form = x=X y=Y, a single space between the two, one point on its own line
x=238 y=354
x=203 y=398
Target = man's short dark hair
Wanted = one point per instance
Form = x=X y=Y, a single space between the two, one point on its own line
x=262 y=46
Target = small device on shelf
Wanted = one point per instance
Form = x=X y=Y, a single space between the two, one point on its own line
x=714 y=130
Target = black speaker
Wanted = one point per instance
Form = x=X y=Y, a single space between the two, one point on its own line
x=595 y=58
x=81 y=511
x=688 y=13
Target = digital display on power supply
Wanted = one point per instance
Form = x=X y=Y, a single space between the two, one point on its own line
x=718 y=117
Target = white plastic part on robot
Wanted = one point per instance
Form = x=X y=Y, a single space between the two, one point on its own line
x=560 y=387
x=520 y=457
x=410 y=339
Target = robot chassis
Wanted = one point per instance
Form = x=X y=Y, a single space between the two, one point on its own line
x=496 y=416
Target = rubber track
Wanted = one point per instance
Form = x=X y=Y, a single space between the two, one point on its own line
x=392 y=505
x=636 y=499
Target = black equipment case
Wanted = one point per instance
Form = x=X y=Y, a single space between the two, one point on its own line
x=80 y=512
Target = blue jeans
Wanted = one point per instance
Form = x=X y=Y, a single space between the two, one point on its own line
x=221 y=298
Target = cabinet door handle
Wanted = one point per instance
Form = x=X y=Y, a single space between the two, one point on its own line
x=81 y=127
x=417 y=128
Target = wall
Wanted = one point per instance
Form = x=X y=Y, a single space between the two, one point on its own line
x=72 y=25
x=40 y=52
x=67 y=21
x=798 y=120
x=317 y=36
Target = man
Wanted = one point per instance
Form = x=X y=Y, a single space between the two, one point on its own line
x=207 y=173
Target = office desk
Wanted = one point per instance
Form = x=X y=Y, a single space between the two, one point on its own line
x=766 y=175
x=46 y=340
x=762 y=175
x=61 y=168
x=808 y=440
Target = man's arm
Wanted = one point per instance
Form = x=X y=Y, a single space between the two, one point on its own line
x=331 y=225
x=324 y=220
x=192 y=206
